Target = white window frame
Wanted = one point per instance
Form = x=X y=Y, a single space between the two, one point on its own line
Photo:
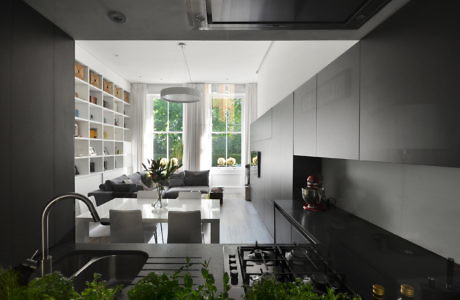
x=241 y=96
x=167 y=132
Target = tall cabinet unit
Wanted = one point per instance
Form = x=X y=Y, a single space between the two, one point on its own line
x=338 y=107
x=102 y=123
x=305 y=119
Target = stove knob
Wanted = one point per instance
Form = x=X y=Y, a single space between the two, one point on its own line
x=232 y=260
x=233 y=266
x=231 y=255
x=234 y=277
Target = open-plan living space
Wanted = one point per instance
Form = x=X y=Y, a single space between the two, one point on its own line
x=211 y=149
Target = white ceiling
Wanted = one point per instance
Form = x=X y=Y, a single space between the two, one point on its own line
x=163 y=62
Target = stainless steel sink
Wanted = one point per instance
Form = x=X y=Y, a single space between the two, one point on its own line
x=115 y=267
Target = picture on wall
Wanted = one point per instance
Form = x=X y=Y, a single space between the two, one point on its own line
x=255 y=161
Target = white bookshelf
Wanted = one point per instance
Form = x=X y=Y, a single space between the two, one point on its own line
x=102 y=118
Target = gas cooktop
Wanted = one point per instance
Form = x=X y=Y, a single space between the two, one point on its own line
x=250 y=264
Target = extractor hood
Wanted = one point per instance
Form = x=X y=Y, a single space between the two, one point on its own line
x=281 y=14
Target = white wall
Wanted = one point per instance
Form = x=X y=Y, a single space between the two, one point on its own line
x=291 y=63
x=418 y=203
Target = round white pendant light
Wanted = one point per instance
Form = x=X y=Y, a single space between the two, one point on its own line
x=181 y=94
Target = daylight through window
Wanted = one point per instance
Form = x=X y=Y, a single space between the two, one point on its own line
x=167 y=129
x=226 y=131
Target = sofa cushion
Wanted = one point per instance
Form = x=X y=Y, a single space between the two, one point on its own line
x=124 y=187
x=176 y=179
x=173 y=192
x=114 y=181
x=136 y=178
x=196 y=178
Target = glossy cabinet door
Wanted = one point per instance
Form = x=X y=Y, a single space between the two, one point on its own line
x=305 y=119
x=338 y=107
x=410 y=88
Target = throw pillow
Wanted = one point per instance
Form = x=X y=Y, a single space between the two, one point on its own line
x=196 y=178
x=176 y=179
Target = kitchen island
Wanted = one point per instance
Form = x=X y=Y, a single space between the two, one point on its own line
x=364 y=253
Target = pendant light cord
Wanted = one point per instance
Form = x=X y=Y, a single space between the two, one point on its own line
x=182 y=46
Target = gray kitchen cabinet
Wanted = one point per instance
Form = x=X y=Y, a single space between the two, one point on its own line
x=410 y=89
x=282 y=228
x=338 y=107
x=305 y=119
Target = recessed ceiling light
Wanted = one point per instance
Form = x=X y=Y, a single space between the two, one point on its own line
x=116 y=55
x=116 y=17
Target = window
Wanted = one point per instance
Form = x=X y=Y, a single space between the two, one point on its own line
x=167 y=129
x=226 y=131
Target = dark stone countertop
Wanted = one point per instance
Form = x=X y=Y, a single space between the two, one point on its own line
x=368 y=254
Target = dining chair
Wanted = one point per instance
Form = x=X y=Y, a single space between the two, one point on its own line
x=189 y=195
x=97 y=232
x=184 y=227
x=127 y=227
x=152 y=195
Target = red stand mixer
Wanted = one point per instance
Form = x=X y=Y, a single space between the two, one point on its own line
x=313 y=195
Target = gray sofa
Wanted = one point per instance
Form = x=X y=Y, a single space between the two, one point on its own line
x=127 y=186
x=187 y=181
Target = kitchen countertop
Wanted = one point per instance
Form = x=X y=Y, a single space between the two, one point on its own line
x=198 y=252
x=366 y=253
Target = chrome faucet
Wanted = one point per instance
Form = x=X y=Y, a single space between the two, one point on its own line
x=46 y=259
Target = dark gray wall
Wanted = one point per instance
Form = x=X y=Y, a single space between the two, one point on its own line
x=36 y=84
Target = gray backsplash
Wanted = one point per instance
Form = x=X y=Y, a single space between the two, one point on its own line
x=418 y=203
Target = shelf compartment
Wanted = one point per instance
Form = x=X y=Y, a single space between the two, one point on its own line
x=95 y=131
x=108 y=133
x=109 y=148
x=108 y=86
x=81 y=148
x=97 y=146
x=108 y=117
x=119 y=162
x=81 y=129
x=109 y=163
x=82 y=165
x=95 y=113
x=95 y=79
x=95 y=164
x=118 y=148
x=118 y=134
x=81 y=90
x=81 y=71
x=81 y=110
x=126 y=97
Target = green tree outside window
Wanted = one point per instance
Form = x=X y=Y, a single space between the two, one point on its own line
x=226 y=131
x=167 y=129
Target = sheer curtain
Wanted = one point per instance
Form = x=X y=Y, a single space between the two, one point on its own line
x=142 y=127
x=197 y=130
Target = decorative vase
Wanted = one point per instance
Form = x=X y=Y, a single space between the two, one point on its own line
x=160 y=189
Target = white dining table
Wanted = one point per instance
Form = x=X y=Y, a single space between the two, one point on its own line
x=210 y=213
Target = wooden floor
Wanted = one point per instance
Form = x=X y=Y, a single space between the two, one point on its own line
x=239 y=223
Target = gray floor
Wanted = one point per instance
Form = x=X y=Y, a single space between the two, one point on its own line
x=239 y=224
